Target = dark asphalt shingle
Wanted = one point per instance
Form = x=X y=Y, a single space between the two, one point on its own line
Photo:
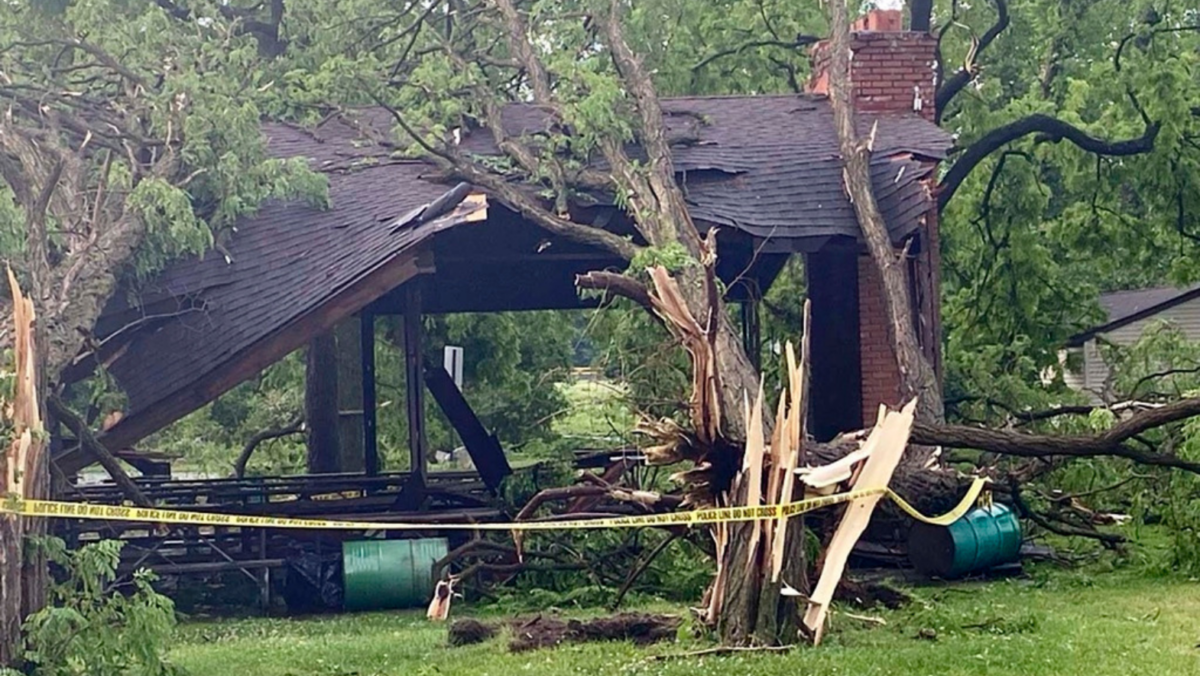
x=765 y=165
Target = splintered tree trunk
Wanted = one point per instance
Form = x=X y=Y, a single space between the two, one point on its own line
x=738 y=376
x=754 y=559
x=23 y=473
x=761 y=559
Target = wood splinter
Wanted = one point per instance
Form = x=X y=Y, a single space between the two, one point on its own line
x=443 y=593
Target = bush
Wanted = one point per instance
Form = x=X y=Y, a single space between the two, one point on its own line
x=93 y=626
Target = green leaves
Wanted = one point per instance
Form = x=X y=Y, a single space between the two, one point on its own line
x=92 y=629
x=674 y=257
x=1041 y=227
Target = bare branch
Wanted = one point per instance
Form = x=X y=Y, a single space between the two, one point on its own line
x=1113 y=442
x=614 y=284
x=963 y=76
x=1158 y=31
x=1051 y=129
x=294 y=427
x=800 y=41
x=94 y=447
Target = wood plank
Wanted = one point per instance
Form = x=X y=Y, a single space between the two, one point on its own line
x=213 y=567
x=320 y=404
x=886 y=443
x=370 y=431
x=414 y=392
x=484 y=448
x=752 y=469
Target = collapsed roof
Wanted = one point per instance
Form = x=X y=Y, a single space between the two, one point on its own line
x=766 y=168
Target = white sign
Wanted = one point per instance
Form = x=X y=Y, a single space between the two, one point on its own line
x=452 y=359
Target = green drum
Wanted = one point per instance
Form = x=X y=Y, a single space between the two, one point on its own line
x=386 y=574
x=986 y=537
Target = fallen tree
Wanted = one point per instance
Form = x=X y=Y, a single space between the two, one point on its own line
x=1113 y=442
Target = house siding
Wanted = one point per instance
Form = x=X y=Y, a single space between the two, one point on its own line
x=1095 y=373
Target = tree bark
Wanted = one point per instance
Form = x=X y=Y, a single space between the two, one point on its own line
x=11 y=554
x=24 y=472
x=1113 y=442
x=917 y=376
x=87 y=439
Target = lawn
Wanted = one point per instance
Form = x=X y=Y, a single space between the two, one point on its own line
x=1053 y=624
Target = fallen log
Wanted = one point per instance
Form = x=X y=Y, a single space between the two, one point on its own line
x=1112 y=443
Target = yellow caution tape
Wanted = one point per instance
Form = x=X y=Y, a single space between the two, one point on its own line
x=969 y=500
x=81 y=510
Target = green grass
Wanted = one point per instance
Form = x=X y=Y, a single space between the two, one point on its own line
x=596 y=413
x=1058 y=624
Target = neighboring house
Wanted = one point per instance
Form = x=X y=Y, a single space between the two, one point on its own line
x=1129 y=314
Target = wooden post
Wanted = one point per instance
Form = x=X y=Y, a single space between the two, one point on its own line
x=350 y=396
x=414 y=379
x=320 y=404
x=370 y=436
x=264 y=582
x=752 y=332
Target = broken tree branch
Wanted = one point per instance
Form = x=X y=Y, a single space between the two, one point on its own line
x=87 y=439
x=642 y=566
x=1023 y=508
x=965 y=75
x=616 y=284
x=1109 y=443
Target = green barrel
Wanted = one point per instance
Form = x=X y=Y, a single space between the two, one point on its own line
x=986 y=537
x=386 y=574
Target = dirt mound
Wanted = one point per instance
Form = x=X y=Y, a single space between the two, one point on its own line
x=542 y=631
x=468 y=631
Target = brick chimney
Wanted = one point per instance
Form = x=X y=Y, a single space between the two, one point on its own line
x=892 y=70
x=892 y=73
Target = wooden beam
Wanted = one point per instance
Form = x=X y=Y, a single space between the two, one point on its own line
x=515 y=258
x=370 y=433
x=484 y=448
x=752 y=332
x=350 y=395
x=264 y=352
x=321 y=404
x=414 y=383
